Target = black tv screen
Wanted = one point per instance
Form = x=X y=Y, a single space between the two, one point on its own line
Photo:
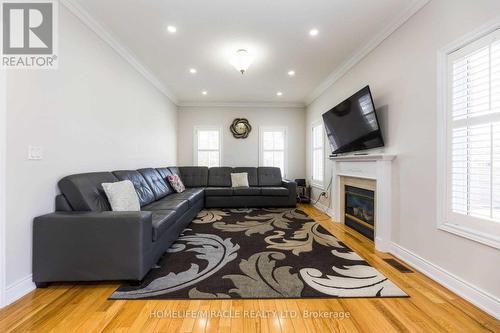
x=353 y=124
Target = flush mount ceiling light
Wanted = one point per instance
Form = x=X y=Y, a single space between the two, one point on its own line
x=313 y=32
x=171 y=29
x=291 y=73
x=204 y=92
x=279 y=93
x=193 y=71
x=241 y=60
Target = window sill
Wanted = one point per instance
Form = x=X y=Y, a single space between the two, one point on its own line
x=471 y=234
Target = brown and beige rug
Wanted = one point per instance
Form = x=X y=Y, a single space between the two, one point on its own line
x=259 y=253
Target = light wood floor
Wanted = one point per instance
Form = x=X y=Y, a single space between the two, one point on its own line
x=84 y=308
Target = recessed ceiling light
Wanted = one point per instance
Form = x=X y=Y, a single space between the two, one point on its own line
x=291 y=73
x=313 y=32
x=172 y=29
x=193 y=71
x=204 y=92
x=279 y=93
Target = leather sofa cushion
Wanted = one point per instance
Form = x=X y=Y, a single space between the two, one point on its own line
x=194 y=176
x=174 y=171
x=269 y=176
x=62 y=204
x=218 y=191
x=84 y=191
x=275 y=191
x=155 y=182
x=167 y=203
x=219 y=176
x=162 y=221
x=246 y=191
x=164 y=173
x=144 y=192
x=192 y=195
x=252 y=175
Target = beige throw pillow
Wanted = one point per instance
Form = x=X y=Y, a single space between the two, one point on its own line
x=239 y=179
x=122 y=196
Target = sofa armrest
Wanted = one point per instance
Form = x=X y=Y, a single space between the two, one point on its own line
x=292 y=191
x=290 y=185
x=91 y=246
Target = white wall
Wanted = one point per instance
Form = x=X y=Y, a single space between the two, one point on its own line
x=94 y=113
x=244 y=152
x=3 y=140
x=402 y=76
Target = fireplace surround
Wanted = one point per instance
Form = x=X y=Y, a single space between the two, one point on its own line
x=368 y=172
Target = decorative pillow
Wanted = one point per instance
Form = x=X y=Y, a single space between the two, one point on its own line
x=239 y=179
x=176 y=182
x=122 y=196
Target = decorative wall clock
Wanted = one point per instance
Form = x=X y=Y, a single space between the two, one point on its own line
x=240 y=128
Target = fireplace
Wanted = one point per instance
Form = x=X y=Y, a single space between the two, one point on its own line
x=359 y=212
x=371 y=172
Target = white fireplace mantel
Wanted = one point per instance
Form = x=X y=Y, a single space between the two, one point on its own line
x=376 y=167
x=363 y=157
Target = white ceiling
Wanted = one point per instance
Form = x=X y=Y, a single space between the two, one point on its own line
x=276 y=31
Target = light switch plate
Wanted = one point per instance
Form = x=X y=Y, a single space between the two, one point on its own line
x=35 y=153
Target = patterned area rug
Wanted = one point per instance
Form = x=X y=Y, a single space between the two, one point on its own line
x=259 y=253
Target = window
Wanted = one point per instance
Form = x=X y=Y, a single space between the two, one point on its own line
x=318 y=154
x=273 y=148
x=207 y=146
x=472 y=140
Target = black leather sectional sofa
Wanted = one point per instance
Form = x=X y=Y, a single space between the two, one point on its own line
x=85 y=241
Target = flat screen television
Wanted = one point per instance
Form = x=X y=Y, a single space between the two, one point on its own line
x=353 y=124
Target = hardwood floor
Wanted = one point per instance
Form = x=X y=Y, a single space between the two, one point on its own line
x=85 y=308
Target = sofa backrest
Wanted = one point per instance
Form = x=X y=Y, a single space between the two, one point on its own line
x=253 y=180
x=84 y=191
x=219 y=176
x=269 y=176
x=164 y=173
x=156 y=182
x=173 y=171
x=194 y=176
x=144 y=192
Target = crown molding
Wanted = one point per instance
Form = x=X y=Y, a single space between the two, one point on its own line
x=282 y=105
x=105 y=34
x=363 y=51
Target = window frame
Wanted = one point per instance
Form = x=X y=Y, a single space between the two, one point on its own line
x=283 y=129
x=199 y=128
x=473 y=228
x=315 y=182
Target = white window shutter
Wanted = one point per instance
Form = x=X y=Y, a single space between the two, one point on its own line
x=273 y=148
x=208 y=147
x=475 y=131
x=317 y=154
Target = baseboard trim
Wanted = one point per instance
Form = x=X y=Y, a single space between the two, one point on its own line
x=18 y=289
x=480 y=298
x=328 y=211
